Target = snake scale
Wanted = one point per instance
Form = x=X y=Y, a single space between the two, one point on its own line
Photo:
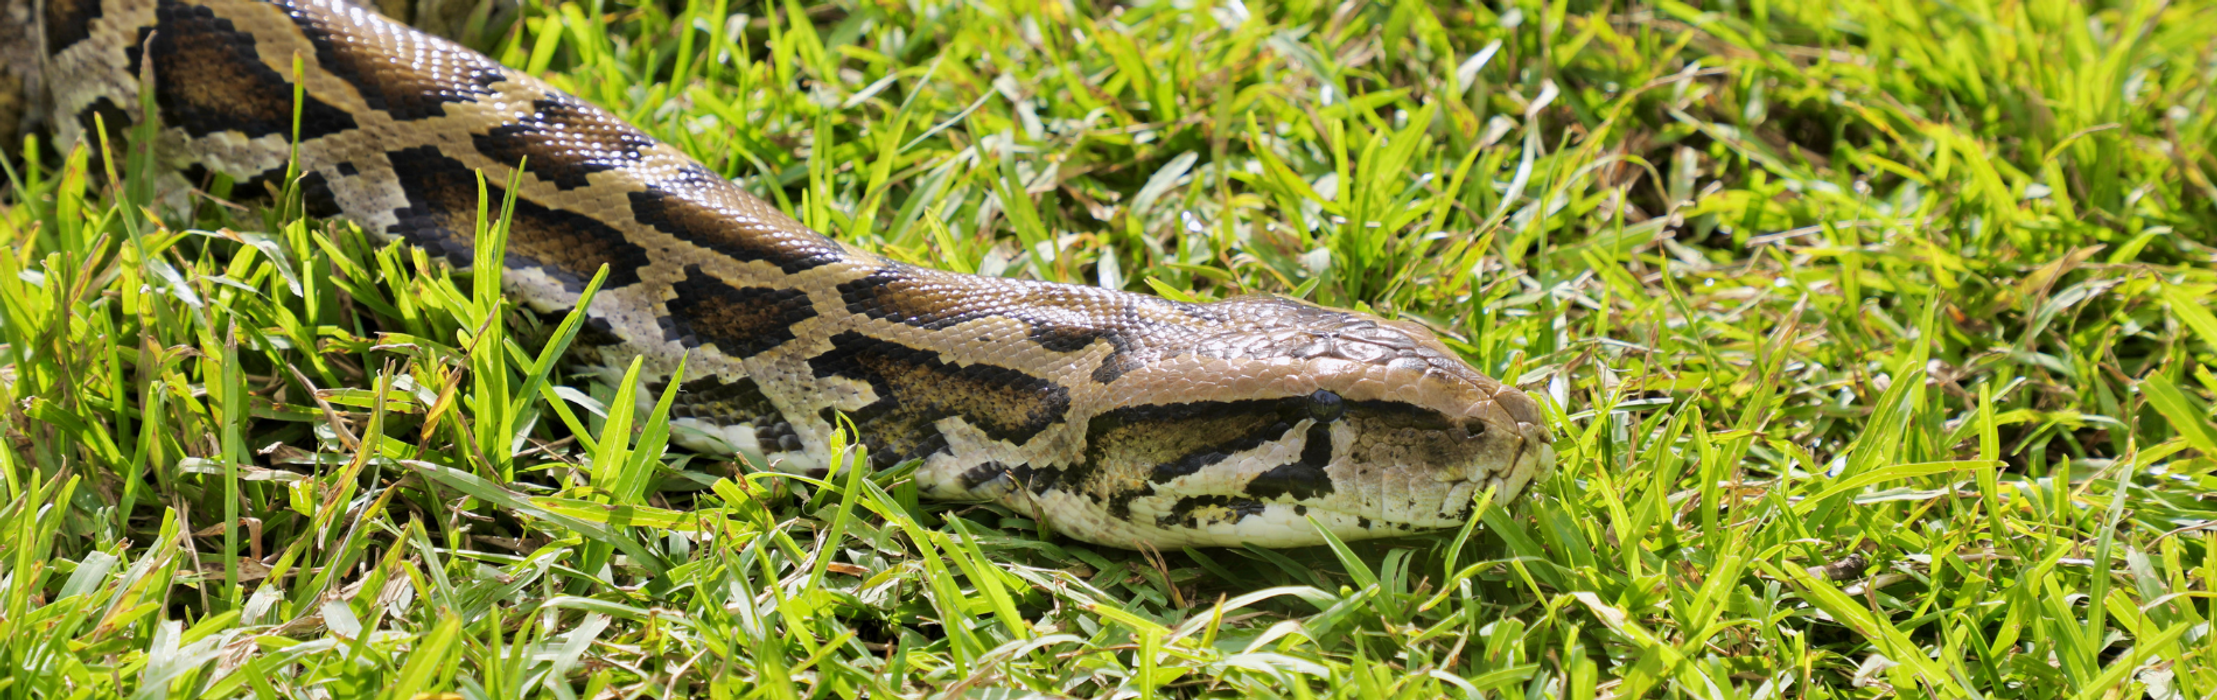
x=1117 y=418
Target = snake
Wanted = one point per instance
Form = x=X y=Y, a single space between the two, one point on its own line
x=1115 y=418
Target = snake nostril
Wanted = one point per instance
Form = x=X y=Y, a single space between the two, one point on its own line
x=1473 y=429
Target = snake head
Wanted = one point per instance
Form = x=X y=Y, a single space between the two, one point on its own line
x=1287 y=413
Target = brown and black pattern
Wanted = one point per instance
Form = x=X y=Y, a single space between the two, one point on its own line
x=778 y=241
x=208 y=79
x=1063 y=318
x=916 y=389
x=1116 y=418
x=68 y=22
x=315 y=196
x=1226 y=429
x=405 y=75
x=566 y=245
x=740 y=321
x=1191 y=511
x=1163 y=443
x=563 y=141
x=1301 y=479
x=104 y=120
x=315 y=189
x=735 y=401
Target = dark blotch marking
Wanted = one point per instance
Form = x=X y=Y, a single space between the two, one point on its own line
x=737 y=401
x=791 y=248
x=983 y=474
x=1182 y=513
x=1120 y=504
x=103 y=112
x=1405 y=415
x=1039 y=480
x=570 y=247
x=916 y=389
x=1113 y=366
x=315 y=190
x=1198 y=460
x=903 y=294
x=593 y=334
x=1458 y=510
x=889 y=460
x=596 y=332
x=1062 y=319
x=1136 y=433
x=1303 y=478
x=1264 y=420
x=208 y=79
x=316 y=197
x=1060 y=336
x=777 y=436
x=199 y=175
x=740 y=321
x=346 y=168
x=68 y=22
x=566 y=140
x=416 y=80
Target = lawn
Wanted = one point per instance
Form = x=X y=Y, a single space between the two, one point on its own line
x=1877 y=336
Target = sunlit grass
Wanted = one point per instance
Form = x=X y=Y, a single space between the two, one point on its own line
x=1877 y=334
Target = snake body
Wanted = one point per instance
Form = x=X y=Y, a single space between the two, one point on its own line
x=1117 y=418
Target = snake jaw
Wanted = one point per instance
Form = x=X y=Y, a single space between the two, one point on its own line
x=1544 y=463
x=1533 y=464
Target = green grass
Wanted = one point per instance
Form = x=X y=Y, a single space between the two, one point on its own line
x=1877 y=334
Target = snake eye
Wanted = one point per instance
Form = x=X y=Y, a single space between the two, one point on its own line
x=1325 y=406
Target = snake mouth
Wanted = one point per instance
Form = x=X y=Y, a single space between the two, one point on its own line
x=1534 y=465
x=1531 y=463
x=1534 y=461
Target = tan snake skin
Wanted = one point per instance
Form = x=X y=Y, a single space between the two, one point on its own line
x=1117 y=418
